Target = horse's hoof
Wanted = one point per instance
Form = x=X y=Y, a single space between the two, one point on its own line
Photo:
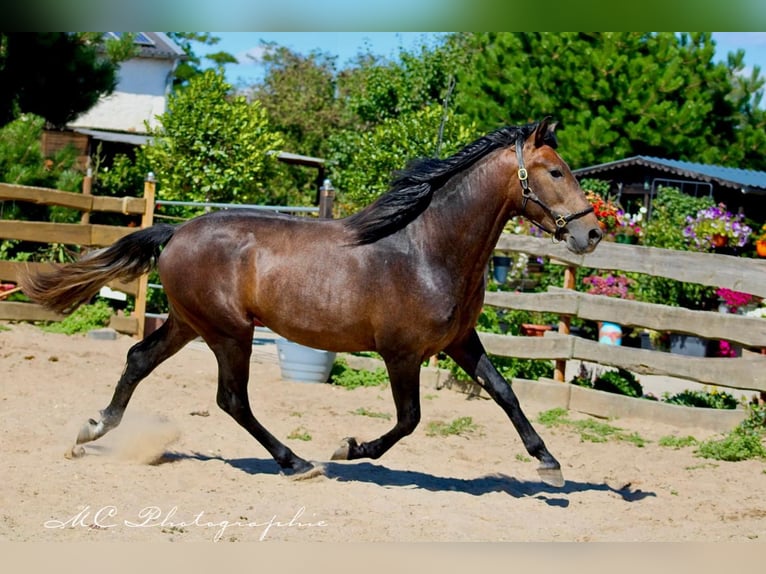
x=552 y=476
x=76 y=451
x=344 y=450
x=88 y=432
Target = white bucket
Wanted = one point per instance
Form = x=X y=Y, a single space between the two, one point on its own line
x=304 y=364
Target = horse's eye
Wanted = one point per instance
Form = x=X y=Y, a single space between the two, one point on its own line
x=556 y=173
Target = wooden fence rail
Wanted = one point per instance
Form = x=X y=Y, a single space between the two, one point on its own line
x=83 y=235
x=741 y=274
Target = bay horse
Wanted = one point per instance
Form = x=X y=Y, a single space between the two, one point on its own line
x=404 y=277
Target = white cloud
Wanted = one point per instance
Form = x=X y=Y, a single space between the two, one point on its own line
x=252 y=56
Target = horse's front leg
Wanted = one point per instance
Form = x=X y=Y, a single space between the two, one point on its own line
x=404 y=375
x=472 y=358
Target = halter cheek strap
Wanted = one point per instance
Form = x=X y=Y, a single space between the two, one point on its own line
x=527 y=194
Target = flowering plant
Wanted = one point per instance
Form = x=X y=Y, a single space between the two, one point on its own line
x=736 y=301
x=631 y=224
x=607 y=212
x=761 y=234
x=610 y=285
x=716 y=222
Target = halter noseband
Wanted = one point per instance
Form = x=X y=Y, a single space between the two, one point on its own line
x=527 y=194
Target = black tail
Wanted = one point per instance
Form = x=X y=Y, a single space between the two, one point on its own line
x=71 y=285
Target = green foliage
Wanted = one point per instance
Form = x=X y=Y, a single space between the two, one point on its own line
x=83 y=319
x=649 y=103
x=364 y=162
x=677 y=442
x=191 y=66
x=344 y=376
x=70 y=73
x=22 y=161
x=461 y=426
x=212 y=146
x=620 y=382
x=711 y=400
x=665 y=230
x=372 y=414
x=737 y=445
x=299 y=434
x=744 y=442
x=589 y=429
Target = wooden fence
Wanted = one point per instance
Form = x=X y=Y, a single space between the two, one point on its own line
x=83 y=234
x=747 y=372
x=86 y=234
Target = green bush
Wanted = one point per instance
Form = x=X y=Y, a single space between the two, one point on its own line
x=83 y=319
x=711 y=400
x=344 y=376
x=621 y=382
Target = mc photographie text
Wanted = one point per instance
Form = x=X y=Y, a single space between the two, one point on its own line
x=108 y=517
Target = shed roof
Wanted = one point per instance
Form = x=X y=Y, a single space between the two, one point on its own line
x=745 y=180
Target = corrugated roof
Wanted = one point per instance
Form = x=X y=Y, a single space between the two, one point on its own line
x=744 y=179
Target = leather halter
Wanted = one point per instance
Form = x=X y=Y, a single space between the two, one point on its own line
x=527 y=194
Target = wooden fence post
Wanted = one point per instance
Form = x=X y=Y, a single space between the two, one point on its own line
x=326 y=198
x=87 y=189
x=559 y=372
x=146 y=221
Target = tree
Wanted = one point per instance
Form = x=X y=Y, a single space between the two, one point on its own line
x=366 y=161
x=57 y=75
x=191 y=66
x=617 y=94
x=211 y=145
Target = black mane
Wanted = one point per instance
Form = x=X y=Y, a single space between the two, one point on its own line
x=412 y=188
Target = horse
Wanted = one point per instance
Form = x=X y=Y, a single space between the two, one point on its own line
x=404 y=277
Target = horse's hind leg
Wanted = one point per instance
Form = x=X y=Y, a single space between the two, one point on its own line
x=142 y=358
x=472 y=357
x=233 y=355
x=405 y=387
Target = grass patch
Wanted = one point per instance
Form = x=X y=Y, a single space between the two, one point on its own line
x=344 y=376
x=372 y=414
x=742 y=443
x=461 y=426
x=677 y=442
x=300 y=434
x=83 y=319
x=590 y=430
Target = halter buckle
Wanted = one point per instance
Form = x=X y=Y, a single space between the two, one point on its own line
x=561 y=221
x=522 y=174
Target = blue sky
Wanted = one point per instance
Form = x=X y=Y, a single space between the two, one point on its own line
x=246 y=47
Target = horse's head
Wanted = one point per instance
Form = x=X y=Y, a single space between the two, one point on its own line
x=551 y=197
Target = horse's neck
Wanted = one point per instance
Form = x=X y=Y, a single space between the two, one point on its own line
x=469 y=215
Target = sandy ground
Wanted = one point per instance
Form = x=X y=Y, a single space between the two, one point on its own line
x=179 y=469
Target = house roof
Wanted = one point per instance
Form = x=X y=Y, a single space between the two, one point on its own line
x=745 y=180
x=154 y=45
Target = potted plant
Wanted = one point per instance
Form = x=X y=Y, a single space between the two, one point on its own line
x=607 y=212
x=760 y=242
x=609 y=285
x=715 y=227
x=629 y=228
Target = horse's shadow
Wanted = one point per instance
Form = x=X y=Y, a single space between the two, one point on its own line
x=367 y=472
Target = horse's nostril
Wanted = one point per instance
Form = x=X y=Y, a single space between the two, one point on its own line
x=595 y=235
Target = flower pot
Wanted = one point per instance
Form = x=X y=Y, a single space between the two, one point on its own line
x=303 y=364
x=533 y=330
x=718 y=240
x=609 y=333
x=501 y=264
x=624 y=238
x=760 y=248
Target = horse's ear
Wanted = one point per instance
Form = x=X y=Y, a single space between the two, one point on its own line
x=544 y=132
